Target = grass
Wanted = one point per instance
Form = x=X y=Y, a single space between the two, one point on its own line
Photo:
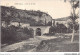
x=23 y=48
x=60 y=44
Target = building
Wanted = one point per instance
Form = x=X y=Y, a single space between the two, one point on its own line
x=64 y=21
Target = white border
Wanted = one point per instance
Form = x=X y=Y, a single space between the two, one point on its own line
x=38 y=53
x=79 y=26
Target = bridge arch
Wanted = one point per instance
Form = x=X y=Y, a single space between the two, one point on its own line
x=38 y=31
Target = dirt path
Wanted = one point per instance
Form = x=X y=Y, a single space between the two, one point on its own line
x=37 y=40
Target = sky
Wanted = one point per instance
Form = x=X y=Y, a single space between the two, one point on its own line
x=55 y=8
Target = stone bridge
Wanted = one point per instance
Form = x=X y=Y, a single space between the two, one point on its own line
x=40 y=30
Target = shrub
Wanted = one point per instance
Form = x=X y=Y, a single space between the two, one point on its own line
x=14 y=34
x=29 y=32
x=8 y=35
x=60 y=28
x=52 y=30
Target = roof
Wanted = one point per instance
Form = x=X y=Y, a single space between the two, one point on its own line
x=62 y=19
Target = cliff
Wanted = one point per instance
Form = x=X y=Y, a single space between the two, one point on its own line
x=25 y=16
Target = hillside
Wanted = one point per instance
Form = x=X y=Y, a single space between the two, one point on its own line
x=25 y=16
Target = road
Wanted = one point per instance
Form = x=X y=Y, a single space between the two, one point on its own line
x=34 y=41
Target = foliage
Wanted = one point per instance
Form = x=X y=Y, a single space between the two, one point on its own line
x=29 y=32
x=40 y=23
x=25 y=16
x=49 y=23
x=52 y=30
x=76 y=26
x=74 y=4
x=60 y=28
x=14 y=34
x=8 y=35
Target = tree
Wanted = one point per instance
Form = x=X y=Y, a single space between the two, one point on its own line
x=49 y=23
x=74 y=4
x=19 y=18
x=40 y=23
x=6 y=16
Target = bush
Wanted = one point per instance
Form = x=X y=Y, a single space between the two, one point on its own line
x=14 y=34
x=76 y=26
x=60 y=28
x=52 y=30
x=29 y=32
x=8 y=35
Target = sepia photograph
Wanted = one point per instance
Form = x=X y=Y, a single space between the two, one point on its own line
x=39 y=25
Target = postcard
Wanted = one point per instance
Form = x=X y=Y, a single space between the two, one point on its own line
x=39 y=25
